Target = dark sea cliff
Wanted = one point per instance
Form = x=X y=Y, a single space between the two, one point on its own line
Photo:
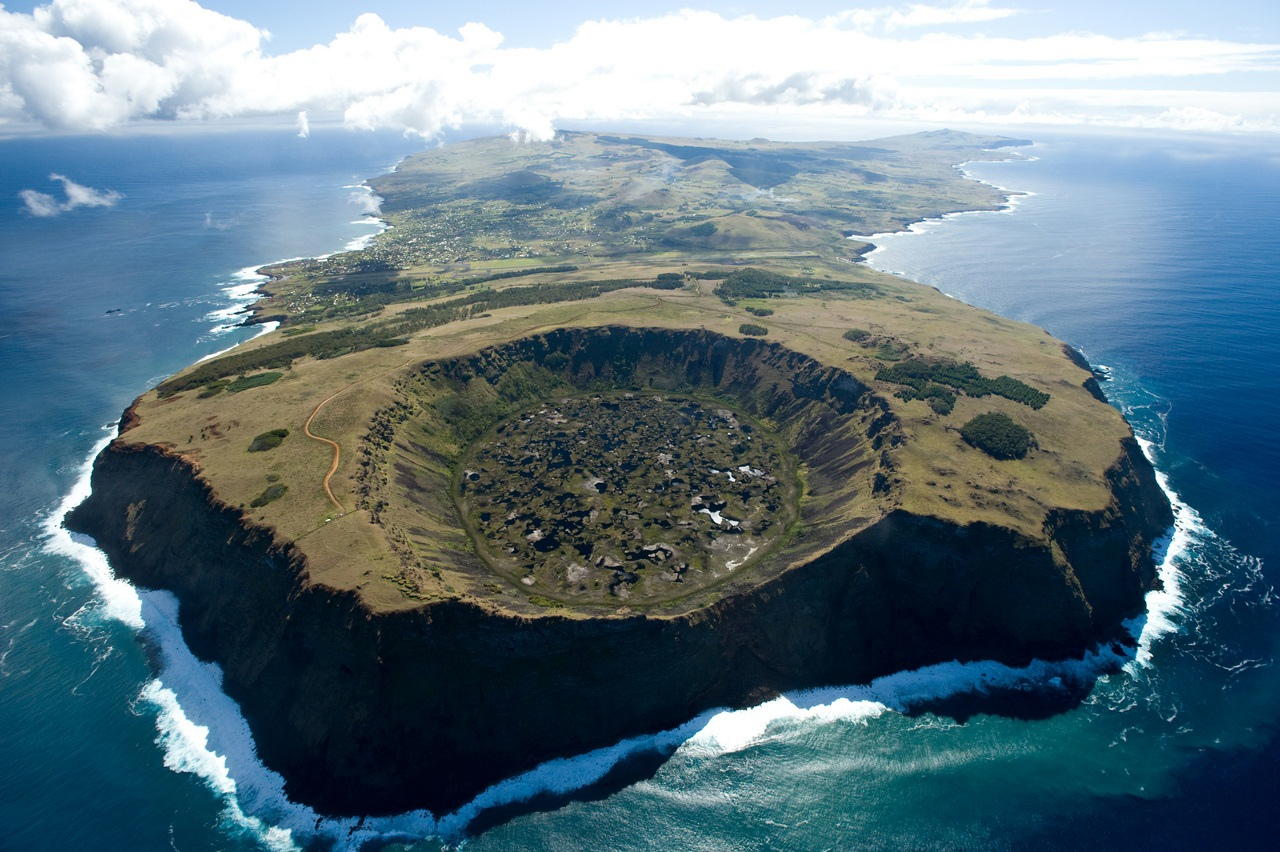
x=379 y=713
x=1155 y=255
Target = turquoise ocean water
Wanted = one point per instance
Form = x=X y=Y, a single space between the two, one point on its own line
x=1155 y=255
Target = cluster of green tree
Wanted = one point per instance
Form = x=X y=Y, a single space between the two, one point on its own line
x=517 y=273
x=937 y=380
x=273 y=492
x=689 y=236
x=997 y=436
x=430 y=316
x=268 y=440
x=244 y=383
x=276 y=356
x=760 y=312
x=856 y=335
x=752 y=283
x=373 y=296
x=940 y=399
x=357 y=286
x=752 y=330
x=391 y=332
x=211 y=389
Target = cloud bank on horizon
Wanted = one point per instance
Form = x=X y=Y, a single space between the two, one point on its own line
x=94 y=65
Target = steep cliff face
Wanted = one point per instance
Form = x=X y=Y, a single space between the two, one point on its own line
x=367 y=713
x=817 y=414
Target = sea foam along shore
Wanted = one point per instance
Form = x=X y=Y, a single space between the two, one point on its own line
x=363 y=197
x=242 y=290
x=201 y=730
x=1012 y=199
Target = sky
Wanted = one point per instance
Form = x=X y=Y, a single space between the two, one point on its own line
x=424 y=67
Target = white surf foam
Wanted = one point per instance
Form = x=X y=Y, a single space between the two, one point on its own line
x=201 y=730
x=240 y=292
x=369 y=203
x=118 y=599
x=184 y=745
x=735 y=730
x=1165 y=605
x=262 y=328
x=365 y=240
x=1013 y=198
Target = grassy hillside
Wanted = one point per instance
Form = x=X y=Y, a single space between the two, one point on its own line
x=493 y=243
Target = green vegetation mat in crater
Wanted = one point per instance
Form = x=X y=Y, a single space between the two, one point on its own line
x=634 y=496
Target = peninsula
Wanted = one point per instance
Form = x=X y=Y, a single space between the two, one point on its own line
x=606 y=431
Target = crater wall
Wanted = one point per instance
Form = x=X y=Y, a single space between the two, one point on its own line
x=829 y=424
x=379 y=712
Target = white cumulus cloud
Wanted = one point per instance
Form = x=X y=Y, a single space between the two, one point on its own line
x=74 y=195
x=94 y=64
x=90 y=65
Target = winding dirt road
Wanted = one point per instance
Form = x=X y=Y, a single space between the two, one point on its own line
x=337 y=451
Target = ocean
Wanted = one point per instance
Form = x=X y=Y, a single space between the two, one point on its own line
x=1156 y=255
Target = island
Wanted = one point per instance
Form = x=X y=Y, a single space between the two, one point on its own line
x=607 y=431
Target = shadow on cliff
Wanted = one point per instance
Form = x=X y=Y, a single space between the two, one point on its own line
x=1028 y=701
x=633 y=769
x=1025 y=704
x=1020 y=699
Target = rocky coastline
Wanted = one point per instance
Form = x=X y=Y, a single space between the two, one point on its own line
x=380 y=713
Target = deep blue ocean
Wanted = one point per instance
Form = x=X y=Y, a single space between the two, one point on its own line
x=1157 y=256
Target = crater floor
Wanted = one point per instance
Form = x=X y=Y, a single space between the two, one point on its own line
x=633 y=496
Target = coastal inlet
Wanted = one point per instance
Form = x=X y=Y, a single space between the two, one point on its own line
x=627 y=495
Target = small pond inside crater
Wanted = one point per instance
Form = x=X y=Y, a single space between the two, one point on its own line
x=632 y=496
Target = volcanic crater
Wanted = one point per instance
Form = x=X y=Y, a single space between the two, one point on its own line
x=377 y=647
x=602 y=465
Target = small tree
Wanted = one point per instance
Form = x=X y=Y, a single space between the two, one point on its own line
x=752 y=330
x=268 y=440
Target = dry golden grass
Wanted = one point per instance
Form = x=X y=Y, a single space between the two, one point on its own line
x=1077 y=437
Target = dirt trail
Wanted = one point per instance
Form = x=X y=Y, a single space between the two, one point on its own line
x=337 y=450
